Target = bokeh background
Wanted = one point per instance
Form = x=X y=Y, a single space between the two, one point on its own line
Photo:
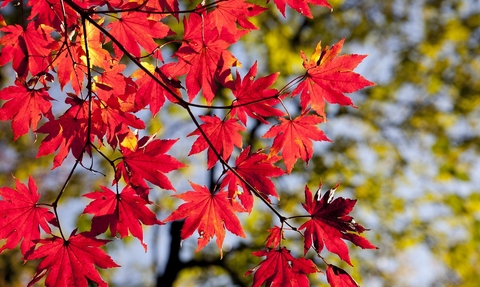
x=410 y=153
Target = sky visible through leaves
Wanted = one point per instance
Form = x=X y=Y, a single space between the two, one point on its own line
x=417 y=260
x=420 y=275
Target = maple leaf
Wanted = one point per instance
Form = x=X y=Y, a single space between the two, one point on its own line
x=169 y=6
x=116 y=95
x=70 y=262
x=51 y=13
x=112 y=81
x=228 y=13
x=70 y=67
x=97 y=55
x=132 y=29
x=208 y=213
x=337 y=277
x=21 y=217
x=116 y=121
x=68 y=132
x=222 y=134
x=204 y=57
x=256 y=169
x=123 y=212
x=281 y=269
x=275 y=237
x=328 y=77
x=254 y=98
x=29 y=50
x=150 y=92
x=301 y=6
x=148 y=161
x=294 y=138
x=25 y=107
x=330 y=224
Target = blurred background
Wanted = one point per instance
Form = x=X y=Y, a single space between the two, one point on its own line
x=410 y=153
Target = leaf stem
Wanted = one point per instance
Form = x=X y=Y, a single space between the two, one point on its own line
x=299 y=216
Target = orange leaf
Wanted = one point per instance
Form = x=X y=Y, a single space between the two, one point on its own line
x=294 y=138
x=133 y=29
x=29 y=50
x=208 y=213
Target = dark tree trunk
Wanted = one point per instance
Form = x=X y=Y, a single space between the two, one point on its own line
x=174 y=265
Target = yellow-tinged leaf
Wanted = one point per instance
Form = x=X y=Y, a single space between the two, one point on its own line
x=2 y=22
x=316 y=54
x=139 y=73
x=130 y=141
x=98 y=56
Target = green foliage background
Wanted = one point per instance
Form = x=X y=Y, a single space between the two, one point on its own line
x=409 y=154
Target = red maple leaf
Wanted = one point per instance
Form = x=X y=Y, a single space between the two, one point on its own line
x=208 y=213
x=204 y=57
x=294 y=138
x=301 y=6
x=328 y=77
x=70 y=67
x=68 y=132
x=29 y=50
x=330 y=224
x=112 y=81
x=256 y=169
x=150 y=92
x=274 y=238
x=25 y=107
x=115 y=120
x=122 y=212
x=163 y=6
x=148 y=161
x=51 y=13
x=222 y=134
x=134 y=27
x=70 y=262
x=337 y=277
x=169 y=6
x=21 y=217
x=281 y=269
x=254 y=98
x=228 y=13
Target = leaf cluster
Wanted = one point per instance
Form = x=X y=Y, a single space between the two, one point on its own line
x=67 y=42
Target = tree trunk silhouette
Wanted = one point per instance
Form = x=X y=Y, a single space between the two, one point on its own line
x=174 y=265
